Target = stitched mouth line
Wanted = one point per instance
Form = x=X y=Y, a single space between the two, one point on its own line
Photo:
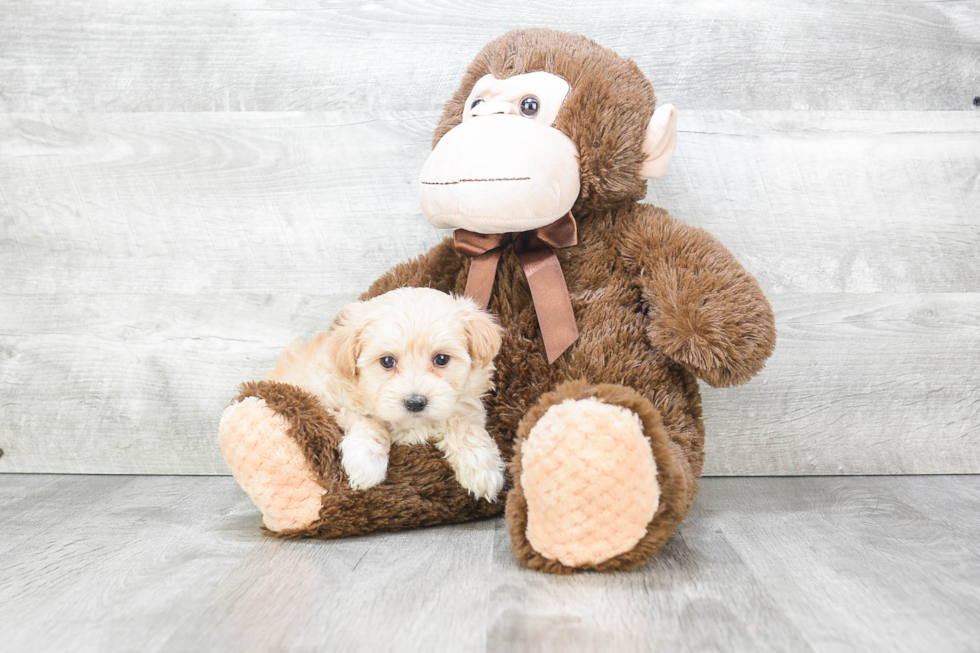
x=453 y=183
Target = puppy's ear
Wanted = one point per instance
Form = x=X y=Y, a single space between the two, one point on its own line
x=483 y=335
x=343 y=342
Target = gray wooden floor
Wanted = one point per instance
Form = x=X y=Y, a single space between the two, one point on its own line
x=112 y=563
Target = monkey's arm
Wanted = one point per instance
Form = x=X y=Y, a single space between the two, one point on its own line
x=706 y=312
x=439 y=268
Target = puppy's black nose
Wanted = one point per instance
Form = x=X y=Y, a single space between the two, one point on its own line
x=416 y=403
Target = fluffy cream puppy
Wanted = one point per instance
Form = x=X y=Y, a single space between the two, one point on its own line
x=407 y=367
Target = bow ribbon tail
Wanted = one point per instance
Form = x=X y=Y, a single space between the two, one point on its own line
x=551 y=300
x=479 y=282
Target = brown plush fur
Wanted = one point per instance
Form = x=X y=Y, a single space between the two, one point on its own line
x=656 y=301
x=420 y=489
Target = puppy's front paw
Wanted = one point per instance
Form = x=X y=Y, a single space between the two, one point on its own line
x=364 y=460
x=483 y=475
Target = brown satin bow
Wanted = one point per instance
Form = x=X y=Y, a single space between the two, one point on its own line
x=536 y=253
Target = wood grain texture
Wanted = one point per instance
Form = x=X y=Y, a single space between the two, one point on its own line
x=859 y=384
x=767 y=564
x=854 y=386
x=150 y=262
x=313 y=56
x=852 y=202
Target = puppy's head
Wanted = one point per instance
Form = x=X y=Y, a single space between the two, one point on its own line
x=414 y=354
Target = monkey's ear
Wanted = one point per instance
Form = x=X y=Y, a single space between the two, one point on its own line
x=343 y=341
x=658 y=145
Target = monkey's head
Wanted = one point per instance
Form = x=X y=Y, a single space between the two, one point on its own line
x=544 y=122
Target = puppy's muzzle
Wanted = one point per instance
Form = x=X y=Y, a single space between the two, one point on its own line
x=415 y=403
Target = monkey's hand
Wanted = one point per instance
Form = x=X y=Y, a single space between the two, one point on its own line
x=706 y=312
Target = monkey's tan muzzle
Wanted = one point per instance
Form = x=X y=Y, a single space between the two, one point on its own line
x=499 y=174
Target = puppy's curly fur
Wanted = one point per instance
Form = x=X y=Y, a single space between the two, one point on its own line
x=407 y=367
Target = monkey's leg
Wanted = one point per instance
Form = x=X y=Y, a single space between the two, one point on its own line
x=598 y=482
x=282 y=448
x=278 y=443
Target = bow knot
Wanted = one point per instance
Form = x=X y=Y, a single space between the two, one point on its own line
x=535 y=251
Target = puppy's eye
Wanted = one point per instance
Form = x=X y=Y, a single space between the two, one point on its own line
x=441 y=360
x=476 y=103
x=388 y=362
x=529 y=106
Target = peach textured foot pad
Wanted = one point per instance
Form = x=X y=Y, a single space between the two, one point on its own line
x=590 y=481
x=269 y=465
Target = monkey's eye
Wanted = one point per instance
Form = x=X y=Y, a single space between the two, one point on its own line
x=529 y=106
x=388 y=362
x=441 y=360
x=476 y=102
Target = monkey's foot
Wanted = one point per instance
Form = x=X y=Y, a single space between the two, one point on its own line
x=283 y=448
x=587 y=481
x=270 y=465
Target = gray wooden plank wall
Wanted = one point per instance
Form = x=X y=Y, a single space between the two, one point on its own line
x=184 y=188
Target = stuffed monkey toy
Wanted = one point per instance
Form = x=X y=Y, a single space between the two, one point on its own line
x=610 y=308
